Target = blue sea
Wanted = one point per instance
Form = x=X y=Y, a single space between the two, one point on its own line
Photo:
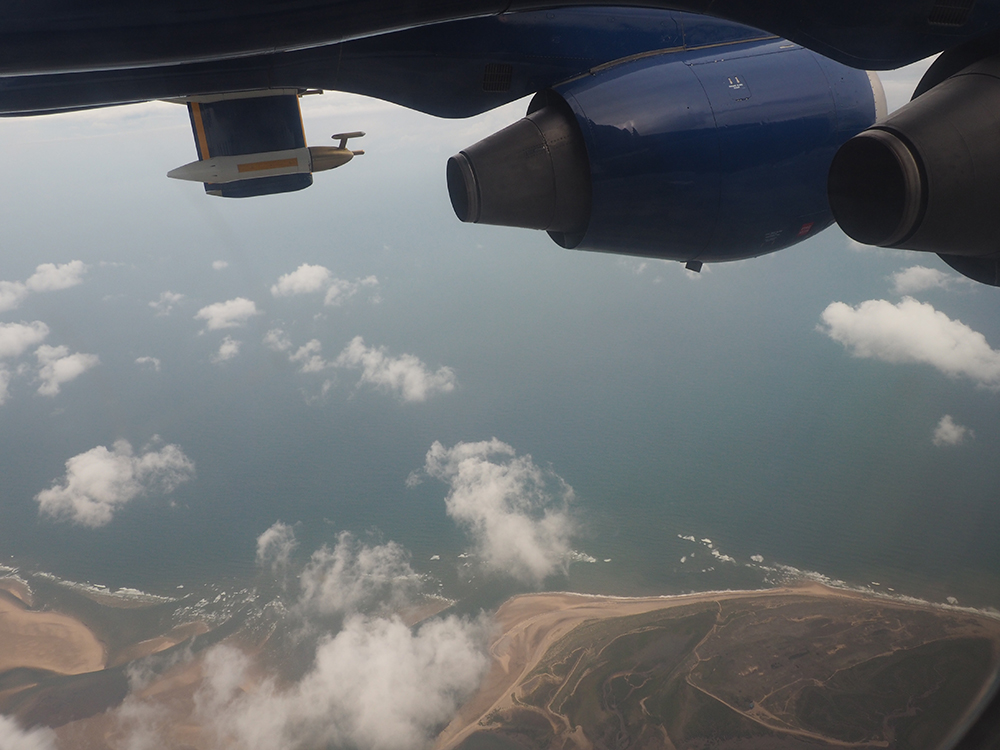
x=674 y=405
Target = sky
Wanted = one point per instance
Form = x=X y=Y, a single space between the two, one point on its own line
x=352 y=399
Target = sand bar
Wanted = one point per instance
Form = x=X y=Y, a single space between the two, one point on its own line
x=46 y=640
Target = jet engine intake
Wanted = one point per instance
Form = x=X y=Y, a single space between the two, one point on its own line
x=705 y=155
x=928 y=176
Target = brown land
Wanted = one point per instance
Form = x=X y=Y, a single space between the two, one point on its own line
x=45 y=640
x=531 y=625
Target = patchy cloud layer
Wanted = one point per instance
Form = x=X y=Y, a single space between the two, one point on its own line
x=516 y=513
x=228 y=349
x=354 y=577
x=48 y=277
x=230 y=314
x=152 y=362
x=99 y=482
x=918 y=279
x=913 y=331
x=17 y=338
x=166 y=302
x=405 y=375
x=341 y=290
x=948 y=432
x=57 y=366
x=308 y=357
x=309 y=279
x=13 y=737
x=12 y=294
x=375 y=684
x=305 y=279
x=275 y=546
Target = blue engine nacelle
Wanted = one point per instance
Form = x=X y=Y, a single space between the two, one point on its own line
x=705 y=155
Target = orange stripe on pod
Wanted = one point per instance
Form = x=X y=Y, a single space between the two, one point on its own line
x=199 y=128
x=258 y=166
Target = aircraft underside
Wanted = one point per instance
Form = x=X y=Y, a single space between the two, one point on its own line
x=652 y=132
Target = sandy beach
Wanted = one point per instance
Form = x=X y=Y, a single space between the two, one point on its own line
x=45 y=640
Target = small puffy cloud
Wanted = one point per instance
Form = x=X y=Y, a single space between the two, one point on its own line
x=949 y=433
x=913 y=331
x=99 y=482
x=308 y=357
x=12 y=294
x=13 y=737
x=166 y=302
x=228 y=349
x=49 y=277
x=341 y=290
x=305 y=279
x=920 y=278
x=354 y=577
x=276 y=340
x=148 y=361
x=16 y=338
x=376 y=684
x=516 y=513
x=275 y=546
x=308 y=279
x=404 y=375
x=58 y=366
x=219 y=265
x=230 y=314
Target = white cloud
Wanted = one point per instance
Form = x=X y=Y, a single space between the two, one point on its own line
x=516 y=513
x=151 y=361
x=12 y=737
x=16 y=338
x=376 y=684
x=913 y=331
x=100 y=481
x=404 y=375
x=354 y=577
x=276 y=340
x=308 y=356
x=12 y=294
x=228 y=349
x=230 y=314
x=305 y=279
x=49 y=277
x=219 y=265
x=58 y=366
x=341 y=290
x=143 y=723
x=949 y=433
x=920 y=278
x=275 y=546
x=166 y=302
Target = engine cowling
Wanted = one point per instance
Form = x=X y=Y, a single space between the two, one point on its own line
x=927 y=177
x=707 y=156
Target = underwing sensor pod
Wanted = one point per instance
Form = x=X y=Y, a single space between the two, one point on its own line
x=928 y=177
x=695 y=156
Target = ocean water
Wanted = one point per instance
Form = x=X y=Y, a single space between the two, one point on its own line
x=672 y=405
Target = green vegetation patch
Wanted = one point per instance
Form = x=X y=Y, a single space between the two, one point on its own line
x=916 y=695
